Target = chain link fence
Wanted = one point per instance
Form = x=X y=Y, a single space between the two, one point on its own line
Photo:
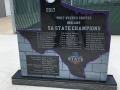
x=27 y=12
x=113 y=6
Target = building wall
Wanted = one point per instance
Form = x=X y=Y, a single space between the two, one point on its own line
x=7 y=7
x=2 y=9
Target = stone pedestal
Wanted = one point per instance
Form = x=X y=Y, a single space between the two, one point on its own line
x=110 y=84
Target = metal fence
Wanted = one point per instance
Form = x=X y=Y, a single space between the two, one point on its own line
x=113 y=6
x=27 y=14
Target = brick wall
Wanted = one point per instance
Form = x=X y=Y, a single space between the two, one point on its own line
x=95 y=70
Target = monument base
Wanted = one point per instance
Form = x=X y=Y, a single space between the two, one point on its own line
x=110 y=84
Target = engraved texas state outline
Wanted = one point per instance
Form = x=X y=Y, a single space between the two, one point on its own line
x=76 y=69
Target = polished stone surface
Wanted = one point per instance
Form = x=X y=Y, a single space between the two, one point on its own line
x=110 y=84
x=9 y=63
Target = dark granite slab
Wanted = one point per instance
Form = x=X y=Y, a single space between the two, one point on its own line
x=110 y=84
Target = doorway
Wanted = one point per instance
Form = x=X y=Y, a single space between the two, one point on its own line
x=2 y=9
